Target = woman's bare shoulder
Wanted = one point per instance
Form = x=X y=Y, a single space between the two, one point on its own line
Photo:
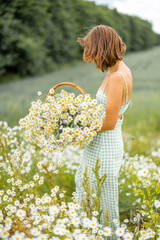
x=117 y=79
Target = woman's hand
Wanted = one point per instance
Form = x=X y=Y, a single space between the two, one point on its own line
x=103 y=126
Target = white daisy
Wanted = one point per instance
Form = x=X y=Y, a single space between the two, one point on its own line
x=107 y=231
x=128 y=236
x=53 y=210
x=20 y=213
x=120 y=231
x=157 y=203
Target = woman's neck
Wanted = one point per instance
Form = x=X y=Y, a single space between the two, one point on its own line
x=115 y=67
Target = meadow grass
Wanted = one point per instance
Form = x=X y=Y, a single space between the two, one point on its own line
x=140 y=128
x=139 y=186
x=143 y=118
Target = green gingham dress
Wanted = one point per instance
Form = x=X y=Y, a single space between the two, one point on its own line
x=109 y=148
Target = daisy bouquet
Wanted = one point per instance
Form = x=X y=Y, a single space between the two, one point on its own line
x=63 y=119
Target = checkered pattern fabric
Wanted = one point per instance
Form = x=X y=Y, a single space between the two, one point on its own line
x=109 y=148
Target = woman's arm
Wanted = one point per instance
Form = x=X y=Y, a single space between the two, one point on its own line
x=114 y=97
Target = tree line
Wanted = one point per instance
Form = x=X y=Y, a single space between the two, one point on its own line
x=36 y=36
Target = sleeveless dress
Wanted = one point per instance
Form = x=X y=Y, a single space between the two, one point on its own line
x=109 y=148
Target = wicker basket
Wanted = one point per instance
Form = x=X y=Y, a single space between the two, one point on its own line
x=67 y=83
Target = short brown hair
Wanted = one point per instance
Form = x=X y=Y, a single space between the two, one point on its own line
x=103 y=46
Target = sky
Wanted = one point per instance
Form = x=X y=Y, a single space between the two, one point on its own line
x=145 y=9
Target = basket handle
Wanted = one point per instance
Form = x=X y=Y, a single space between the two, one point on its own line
x=67 y=83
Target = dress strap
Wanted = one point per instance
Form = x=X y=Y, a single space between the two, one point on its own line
x=126 y=86
x=105 y=85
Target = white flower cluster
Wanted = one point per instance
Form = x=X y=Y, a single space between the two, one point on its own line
x=33 y=205
x=142 y=185
x=21 y=153
x=64 y=119
x=147 y=234
x=36 y=217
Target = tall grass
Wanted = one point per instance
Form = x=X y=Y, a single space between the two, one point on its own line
x=142 y=118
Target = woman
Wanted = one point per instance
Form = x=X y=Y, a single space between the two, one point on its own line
x=105 y=47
